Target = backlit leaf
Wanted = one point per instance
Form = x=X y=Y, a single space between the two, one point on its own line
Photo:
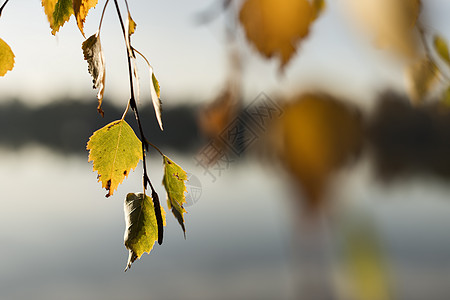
x=315 y=136
x=131 y=25
x=275 y=27
x=115 y=150
x=441 y=47
x=93 y=54
x=174 y=183
x=141 y=226
x=155 y=93
x=62 y=13
x=6 y=58
x=81 y=9
x=49 y=8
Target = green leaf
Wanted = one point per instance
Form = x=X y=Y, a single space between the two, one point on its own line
x=81 y=9
x=62 y=13
x=174 y=183
x=440 y=45
x=93 y=54
x=141 y=226
x=6 y=58
x=114 y=150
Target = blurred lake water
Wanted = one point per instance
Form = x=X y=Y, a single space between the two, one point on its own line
x=60 y=238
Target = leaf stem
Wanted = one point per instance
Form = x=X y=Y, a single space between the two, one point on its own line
x=126 y=110
x=142 y=55
x=103 y=14
x=156 y=148
x=132 y=104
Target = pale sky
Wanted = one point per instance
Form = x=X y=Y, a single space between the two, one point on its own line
x=190 y=60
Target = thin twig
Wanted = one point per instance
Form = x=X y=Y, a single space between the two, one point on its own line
x=3 y=6
x=103 y=14
x=132 y=104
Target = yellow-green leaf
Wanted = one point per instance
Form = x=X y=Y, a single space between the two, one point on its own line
x=131 y=25
x=156 y=100
x=174 y=183
x=49 y=8
x=441 y=47
x=115 y=150
x=6 y=58
x=141 y=231
x=275 y=27
x=81 y=9
x=93 y=54
x=62 y=12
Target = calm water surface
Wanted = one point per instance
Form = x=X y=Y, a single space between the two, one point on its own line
x=60 y=238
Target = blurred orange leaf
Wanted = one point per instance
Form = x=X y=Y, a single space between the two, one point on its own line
x=316 y=135
x=275 y=27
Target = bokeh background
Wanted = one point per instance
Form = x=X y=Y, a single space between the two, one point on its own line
x=359 y=217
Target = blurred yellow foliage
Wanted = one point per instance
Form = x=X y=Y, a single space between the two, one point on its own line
x=275 y=27
x=392 y=23
x=315 y=136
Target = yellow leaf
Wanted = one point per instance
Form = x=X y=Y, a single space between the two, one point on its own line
x=81 y=9
x=131 y=25
x=441 y=47
x=315 y=136
x=49 y=8
x=6 y=58
x=115 y=150
x=275 y=27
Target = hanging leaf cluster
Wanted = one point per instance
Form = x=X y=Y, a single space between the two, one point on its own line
x=115 y=149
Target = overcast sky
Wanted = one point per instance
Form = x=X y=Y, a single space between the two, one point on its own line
x=189 y=60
